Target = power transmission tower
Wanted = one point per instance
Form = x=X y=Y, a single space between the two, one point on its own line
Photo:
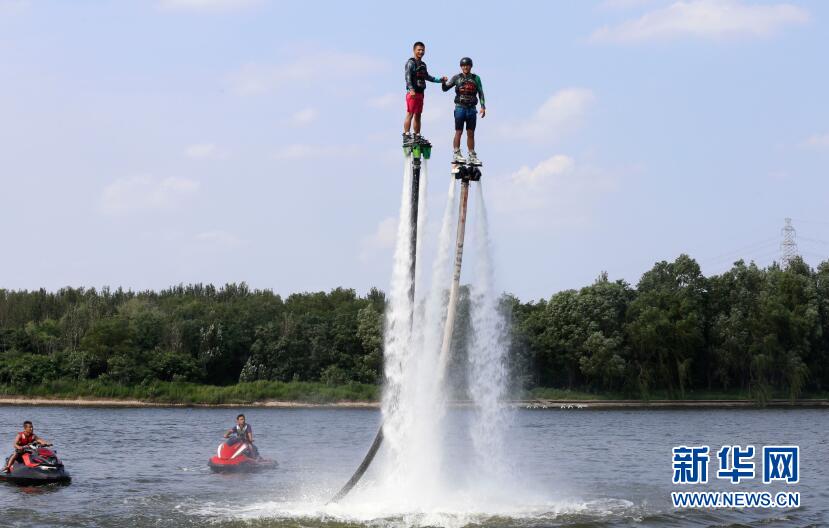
x=788 y=247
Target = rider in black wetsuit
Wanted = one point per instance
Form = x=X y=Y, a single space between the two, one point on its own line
x=468 y=90
x=416 y=77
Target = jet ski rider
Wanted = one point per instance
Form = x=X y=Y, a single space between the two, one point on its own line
x=24 y=438
x=244 y=432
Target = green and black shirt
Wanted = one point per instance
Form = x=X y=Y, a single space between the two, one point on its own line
x=468 y=89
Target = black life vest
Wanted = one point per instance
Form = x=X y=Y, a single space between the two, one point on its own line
x=466 y=91
x=421 y=74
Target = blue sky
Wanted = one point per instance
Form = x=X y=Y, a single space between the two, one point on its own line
x=147 y=143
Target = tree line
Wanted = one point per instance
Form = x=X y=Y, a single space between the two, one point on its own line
x=761 y=331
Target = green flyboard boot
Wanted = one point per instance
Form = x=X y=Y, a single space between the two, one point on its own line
x=423 y=147
x=408 y=143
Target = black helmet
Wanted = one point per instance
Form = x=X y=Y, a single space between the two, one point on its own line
x=466 y=61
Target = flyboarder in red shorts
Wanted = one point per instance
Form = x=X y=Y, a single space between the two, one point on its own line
x=416 y=77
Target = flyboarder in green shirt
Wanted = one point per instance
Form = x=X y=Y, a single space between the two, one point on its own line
x=468 y=90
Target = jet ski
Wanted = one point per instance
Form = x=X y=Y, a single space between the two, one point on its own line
x=236 y=455
x=40 y=465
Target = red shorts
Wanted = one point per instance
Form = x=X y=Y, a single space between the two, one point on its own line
x=414 y=103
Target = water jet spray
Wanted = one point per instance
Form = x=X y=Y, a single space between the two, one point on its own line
x=416 y=152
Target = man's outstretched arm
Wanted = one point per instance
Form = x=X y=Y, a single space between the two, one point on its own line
x=447 y=85
x=429 y=77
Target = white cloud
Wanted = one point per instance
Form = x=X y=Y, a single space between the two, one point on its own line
x=384 y=102
x=304 y=117
x=257 y=79
x=142 y=193
x=201 y=151
x=560 y=112
x=219 y=239
x=817 y=141
x=705 y=19
x=215 y=6
x=383 y=238
x=299 y=151
x=554 y=193
x=558 y=164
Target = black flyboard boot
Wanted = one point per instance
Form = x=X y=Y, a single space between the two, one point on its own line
x=467 y=171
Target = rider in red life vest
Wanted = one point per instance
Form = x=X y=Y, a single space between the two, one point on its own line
x=24 y=438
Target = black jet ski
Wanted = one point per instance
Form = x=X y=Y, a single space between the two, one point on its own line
x=39 y=465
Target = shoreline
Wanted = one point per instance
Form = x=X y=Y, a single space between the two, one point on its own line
x=533 y=404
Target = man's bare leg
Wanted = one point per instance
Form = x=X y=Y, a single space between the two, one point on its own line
x=470 y=139
x=10 y=462
x=417 y=124
x=456 y=143
x=407 y=123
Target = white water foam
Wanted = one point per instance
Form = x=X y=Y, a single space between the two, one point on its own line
x=456 y=511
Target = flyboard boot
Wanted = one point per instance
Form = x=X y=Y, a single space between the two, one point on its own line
x=468 y=169
x=417 y=147
x=473 y=159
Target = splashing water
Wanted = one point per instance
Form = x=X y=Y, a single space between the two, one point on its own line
x=422 y=218
x=398 y=313
x=414 y=475
x=423 y=476
x=434 y=318
x=412 y=468
x=487 y=355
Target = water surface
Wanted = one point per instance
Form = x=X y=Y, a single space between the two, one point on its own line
x=148 y=468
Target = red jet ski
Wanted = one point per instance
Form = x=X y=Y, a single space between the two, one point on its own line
x=40 y=465
x=235 y=455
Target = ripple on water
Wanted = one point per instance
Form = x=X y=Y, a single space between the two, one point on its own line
x=601 y=512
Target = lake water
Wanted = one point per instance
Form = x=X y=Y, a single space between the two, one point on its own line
x=148 y=468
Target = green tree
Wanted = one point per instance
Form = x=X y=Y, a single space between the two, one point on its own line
x=666 y=325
